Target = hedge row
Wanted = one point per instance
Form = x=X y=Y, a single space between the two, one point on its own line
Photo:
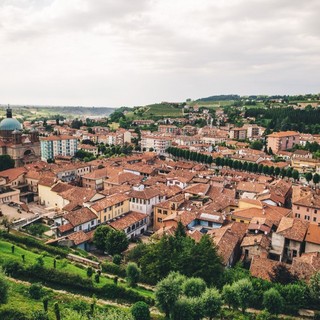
x=72 y=281
x=110 y=267
x=34 y=243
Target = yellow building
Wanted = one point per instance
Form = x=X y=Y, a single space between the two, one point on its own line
x=111 y=207
x=164 y=209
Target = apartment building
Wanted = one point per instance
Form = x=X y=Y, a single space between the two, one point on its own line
x=279 y=141
x=238 y=133
x=157 y=143
x=58 y=146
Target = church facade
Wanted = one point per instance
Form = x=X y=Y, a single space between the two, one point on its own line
x=23 y=148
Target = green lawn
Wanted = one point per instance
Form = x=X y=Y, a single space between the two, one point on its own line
x=63 y=264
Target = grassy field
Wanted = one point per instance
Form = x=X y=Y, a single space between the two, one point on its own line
x=155 y=110
x=19 y=298
x=63 y=264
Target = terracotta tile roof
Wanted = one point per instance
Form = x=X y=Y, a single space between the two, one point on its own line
x=196 y=235
x=226 y=241
x=185 y=217
x=306 y=265
x=293 y=229
x=108 y=191
x=80 y=216
x=61 y=187
x=65 y=227
x=78 y=237
x=109 y=201
x=145 y=194
x=48 y=179
x=312 y=200
x=282 y=134
x=78 y=194
x=261 y=267
x=272 y=213
x=13 y=174
x=250 y=187
x=33 y=174
x=313 y=234
x=124 y=177
x=126 y=221
x=96 y=174
x=259 y=239
x=57 y=138
x=198 y=188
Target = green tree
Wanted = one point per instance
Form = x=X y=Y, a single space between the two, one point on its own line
x=117 y=259
x=140 y=311
x=99 y=237
x=116 y=242
x=206 y=261
x=230 y=296
x=89 y=272
x=256 y=145
x=193 y=287
x=244 y=292
x=316 y=178
x=132 y=274
x=308 y=176
x=3 y=290
x=167 y=292
x=273 y=301
x=6 y=162
x=188 y=309
x=277 y=171
x=211 y=303
x=295 y=174
x=315 y=287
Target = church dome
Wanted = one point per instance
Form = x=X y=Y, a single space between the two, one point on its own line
x=10 y=124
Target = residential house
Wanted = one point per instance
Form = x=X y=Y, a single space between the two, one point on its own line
x=307 y=207
x=288 y=240
x=111 y=207
x=82 y=219
x=133 y=224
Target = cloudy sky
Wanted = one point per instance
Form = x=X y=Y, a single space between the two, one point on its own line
x=134 y=52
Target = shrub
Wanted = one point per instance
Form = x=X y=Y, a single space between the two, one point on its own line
x=3 y=290
x=8 y=313
x=140 y=311
x=36 y=291
x=117 y=259
x=12 y=268
x=89 y=272
x=133 y=274
x=40 y=315
x=113 y=269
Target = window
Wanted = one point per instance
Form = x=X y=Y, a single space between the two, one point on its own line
x=315 y=211
x=165 y=212
x=306 y=217
x=159 y=211
x=298 y=207
x=92 y=222
x=307 y=209
x=159 y=219
x=314 y=219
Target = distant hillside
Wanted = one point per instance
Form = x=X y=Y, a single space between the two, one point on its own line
x=220 y=98
x=42 y=111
